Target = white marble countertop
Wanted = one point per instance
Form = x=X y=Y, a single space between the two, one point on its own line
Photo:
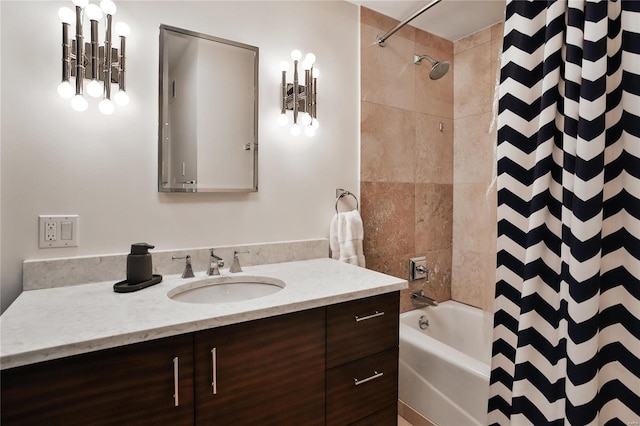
x=53 y=323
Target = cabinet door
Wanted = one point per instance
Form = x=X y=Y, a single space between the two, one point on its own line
x=265 y=372
x=127 y=385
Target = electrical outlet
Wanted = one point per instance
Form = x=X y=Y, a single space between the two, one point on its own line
x=58 y=231
x=50 y=231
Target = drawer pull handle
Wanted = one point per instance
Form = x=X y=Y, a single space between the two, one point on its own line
x=374 y=315
x=214 y=374
x=368 y=379
x=175 y=382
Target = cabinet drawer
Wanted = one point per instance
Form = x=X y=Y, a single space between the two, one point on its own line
x=362 y=327
x=358 y=389
x=386 y=417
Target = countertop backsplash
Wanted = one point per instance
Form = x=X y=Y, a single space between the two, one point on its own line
x=62 y=272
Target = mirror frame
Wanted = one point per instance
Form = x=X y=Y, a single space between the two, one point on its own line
x=194 y=187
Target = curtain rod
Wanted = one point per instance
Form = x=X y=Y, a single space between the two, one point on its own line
x=382 y=39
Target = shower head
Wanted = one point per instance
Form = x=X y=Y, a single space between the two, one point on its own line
x=438 y=69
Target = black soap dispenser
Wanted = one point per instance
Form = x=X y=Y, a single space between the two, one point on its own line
x=139 y=266
x=139 y=270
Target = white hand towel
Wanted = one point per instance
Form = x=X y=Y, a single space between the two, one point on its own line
x=346 y=236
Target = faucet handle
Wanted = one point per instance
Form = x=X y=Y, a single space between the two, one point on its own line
x=188 y=269
x=235 y=266
x=215 y=263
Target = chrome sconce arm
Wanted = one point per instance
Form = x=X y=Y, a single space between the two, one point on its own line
x=301 y=99
x=90 y=61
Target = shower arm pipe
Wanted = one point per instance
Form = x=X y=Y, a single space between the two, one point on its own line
x=383 y=39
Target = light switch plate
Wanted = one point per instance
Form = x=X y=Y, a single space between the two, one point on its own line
x=58 y=231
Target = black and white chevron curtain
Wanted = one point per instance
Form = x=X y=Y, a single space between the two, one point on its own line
x=566 y=344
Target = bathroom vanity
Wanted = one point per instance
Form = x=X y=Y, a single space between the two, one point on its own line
x=323 y=350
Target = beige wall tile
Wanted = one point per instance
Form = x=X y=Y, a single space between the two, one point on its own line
x=434 y=215
x=439 y=265
x=474 y=149
x=473 y=218
x=388 y=214
x=384 y=23
x=387 y=73
x=473 y=90
x=434 y=149
x=387 y=144
x=497 y=31
x=438 y=45
x=434 y=97
x=496 y=52
x=472 y=40
x=473 y=275
x=439 y=285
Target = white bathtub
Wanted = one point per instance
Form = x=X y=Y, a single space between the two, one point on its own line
x=444 y=369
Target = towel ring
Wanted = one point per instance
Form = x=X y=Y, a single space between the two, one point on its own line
x=342 y=193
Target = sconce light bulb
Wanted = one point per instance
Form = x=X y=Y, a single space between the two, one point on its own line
x=66 y=90
x=296 y=55
x=106 y=107
x=315 y=124
x=295 y=130
x=122 y=98
x=306 y=65
x=122 y=29
x=108 y=7
x=305 y=119
x=66 y=15
x=309 y=131
x=93 y=12
x=316 y=73
x=94 y=89
x=81 y=3
x=310 y=57
x=284 y=66
x=79 y=103
x=283 y=120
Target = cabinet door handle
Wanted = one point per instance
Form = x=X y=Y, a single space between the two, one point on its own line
x=176 y=397
x=214 y=374
x=366 y=317
x=368 y=379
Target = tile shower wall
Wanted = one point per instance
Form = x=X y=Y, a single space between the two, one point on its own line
x=406 y=169
x=474 y=192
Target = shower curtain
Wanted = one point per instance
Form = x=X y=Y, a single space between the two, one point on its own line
x=566 y=346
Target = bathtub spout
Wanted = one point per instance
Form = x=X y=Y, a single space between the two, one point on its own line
x=419 y=299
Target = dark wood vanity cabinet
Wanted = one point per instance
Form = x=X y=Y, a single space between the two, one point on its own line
x=265 y=372
x=121 y=386
x=334 y=365
x=362 y=361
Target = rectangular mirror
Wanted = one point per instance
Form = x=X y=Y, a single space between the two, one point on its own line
x=208 y=118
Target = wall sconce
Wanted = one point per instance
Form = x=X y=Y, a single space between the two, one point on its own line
x=300 y=98
x=100 y=64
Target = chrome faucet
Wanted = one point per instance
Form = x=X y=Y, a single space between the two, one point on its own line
x=419 y=299
x=235 y=266
x=215 y=263
x=188 y=270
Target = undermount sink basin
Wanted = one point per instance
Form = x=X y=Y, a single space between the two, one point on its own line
x=226 y=289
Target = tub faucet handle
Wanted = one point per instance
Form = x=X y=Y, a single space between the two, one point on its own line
x=215 y=263
x=188 y=269
x=235 y=266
